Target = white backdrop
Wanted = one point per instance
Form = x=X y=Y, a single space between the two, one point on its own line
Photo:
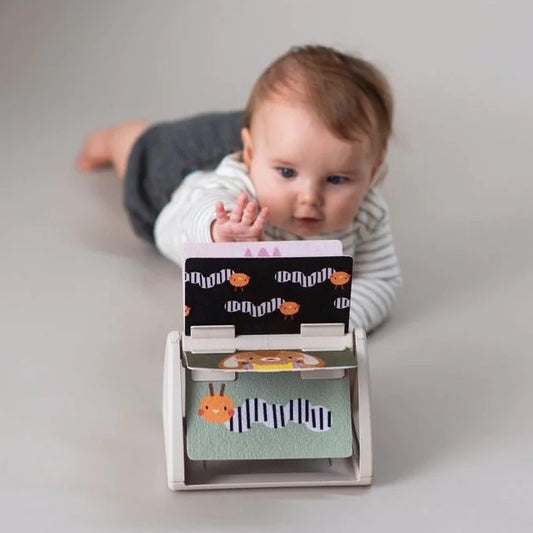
x=85 y=306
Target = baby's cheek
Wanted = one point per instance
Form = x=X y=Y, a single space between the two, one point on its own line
x=277 y=212
x=268 y=196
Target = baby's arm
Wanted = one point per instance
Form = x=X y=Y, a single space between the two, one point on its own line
x=376 y=275
x=191 y=212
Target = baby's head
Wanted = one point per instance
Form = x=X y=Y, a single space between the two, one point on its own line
x=315 y=133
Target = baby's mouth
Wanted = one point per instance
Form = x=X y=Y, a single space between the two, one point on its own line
x=307 y=220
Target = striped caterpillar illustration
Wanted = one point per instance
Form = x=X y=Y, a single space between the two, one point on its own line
x=337 y=278
x=283 y=276
x=237 y=279
x=341 y=303
x=274 y=416
x=219 y=409
x=250 y=308
x=208 y=282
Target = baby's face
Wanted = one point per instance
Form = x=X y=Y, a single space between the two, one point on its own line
x=311 y=181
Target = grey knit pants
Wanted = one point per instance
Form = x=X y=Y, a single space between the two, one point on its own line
x=165 y=153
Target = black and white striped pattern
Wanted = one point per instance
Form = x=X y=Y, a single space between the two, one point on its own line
x=283 y=276
x=341 y=303
x=274 y=416
x=207 y=282
x=246 y=306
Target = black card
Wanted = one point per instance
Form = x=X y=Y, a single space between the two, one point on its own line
x=273 y=295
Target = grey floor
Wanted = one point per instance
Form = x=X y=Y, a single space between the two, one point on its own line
x=85 y=306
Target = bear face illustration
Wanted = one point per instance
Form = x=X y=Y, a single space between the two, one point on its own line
x=271 y=360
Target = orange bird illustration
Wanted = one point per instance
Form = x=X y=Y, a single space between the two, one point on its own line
x=339 y=279
x=289 y=309
x=239 y=280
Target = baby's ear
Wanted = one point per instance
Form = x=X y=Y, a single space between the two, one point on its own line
x=247 y=150
x=379 y=171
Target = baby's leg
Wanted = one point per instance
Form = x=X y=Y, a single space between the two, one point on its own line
x=111 y=146
x=166 y=153
x=154 y=159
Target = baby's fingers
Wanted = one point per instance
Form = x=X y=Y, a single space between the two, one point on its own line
x=238 y=208
x=261 y=220
x=220 y=212
x=249 y=214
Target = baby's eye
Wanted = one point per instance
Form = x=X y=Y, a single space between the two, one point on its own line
x=337 y=180
x=286 y=172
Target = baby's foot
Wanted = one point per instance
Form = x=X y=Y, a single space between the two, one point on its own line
x=110 y=146
x=95 y=151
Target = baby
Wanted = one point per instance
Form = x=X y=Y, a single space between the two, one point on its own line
x=314 y=137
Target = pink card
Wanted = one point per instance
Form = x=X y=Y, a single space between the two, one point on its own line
x=316 y=248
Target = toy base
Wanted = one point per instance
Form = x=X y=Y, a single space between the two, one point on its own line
x=206 y=475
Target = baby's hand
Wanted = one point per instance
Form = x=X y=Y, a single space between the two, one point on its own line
x=243 y=223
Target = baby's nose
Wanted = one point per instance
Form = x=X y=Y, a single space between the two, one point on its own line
x=310 y=194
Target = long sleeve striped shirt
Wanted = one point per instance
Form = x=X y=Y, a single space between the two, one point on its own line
x=368 y=239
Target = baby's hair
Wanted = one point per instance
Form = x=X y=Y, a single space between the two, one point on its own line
x=349 y=95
